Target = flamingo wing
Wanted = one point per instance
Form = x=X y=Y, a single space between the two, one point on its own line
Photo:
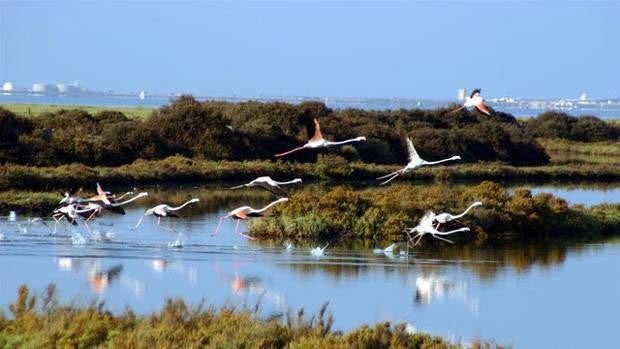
x=241 y=214
x=483 y=108
x=413 y=154
x=317 y=132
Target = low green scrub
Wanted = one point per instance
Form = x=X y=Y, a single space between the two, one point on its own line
x=178 y=169
x=28 y=202
x=565 y=152
x=342 y=213
x=40 y=322
x=34 y=110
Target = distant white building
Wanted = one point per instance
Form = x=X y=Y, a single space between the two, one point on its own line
x=62 y=88
x=583 y=97
x=7 y=86
x=461 y=94
x=38 y=87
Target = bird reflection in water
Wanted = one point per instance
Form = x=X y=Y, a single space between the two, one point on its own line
x=433 y=287
x=100 y=280
x=250 y=286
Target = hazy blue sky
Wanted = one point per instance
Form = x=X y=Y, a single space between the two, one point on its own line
x=316 y=48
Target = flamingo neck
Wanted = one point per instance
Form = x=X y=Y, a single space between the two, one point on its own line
x=268 y=206
x=129 y=200
x=180 y=207
x=467 y=210
x=438 y=161
x=345 y=141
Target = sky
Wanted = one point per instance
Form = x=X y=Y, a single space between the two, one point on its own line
x=407 y=49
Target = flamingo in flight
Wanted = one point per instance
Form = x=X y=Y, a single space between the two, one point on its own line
x=269 y=184
x=95 y=205
x=476 y=101
x=244 y=213
x=443 y=218
x=415 y=161
x=163 y=210
x=317 y=141
x=426 y=227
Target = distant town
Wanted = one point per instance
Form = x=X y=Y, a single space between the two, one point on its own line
x=74 y=89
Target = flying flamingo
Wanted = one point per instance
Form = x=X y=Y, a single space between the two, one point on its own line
x=95 y=207
x=269 y=184
x=426 y=227
x=317 y=141
x=318 y=251
x=415 y=161
x=163 y=210
x=443 y=218
x=244 y=213
x=474 y=100
x=69 y=212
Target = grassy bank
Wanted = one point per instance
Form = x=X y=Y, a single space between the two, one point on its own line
x=40 y=322
x=330 y=167
x=342 y=214
x=34 y=110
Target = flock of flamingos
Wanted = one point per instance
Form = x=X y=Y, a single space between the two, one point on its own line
x=72 y=207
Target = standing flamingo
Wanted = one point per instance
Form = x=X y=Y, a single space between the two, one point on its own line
x=317 y=141
x=269 y=184
x=244 y=213
x=426 y=227
x=474 y=100
x=443 y=218
x=415 y=161
x=163 y=210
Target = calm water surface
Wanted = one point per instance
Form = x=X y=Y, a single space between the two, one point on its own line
x=528 y=296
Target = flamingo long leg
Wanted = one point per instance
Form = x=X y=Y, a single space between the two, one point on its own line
x=440 y=238
x=91 y=216
x=390 y=179
x=289 y=152
x=391 y=174
x=217 y=229
x=139 y=222
x=457 y=109
x=164 y=227
x=237 y=226
x=244 y=235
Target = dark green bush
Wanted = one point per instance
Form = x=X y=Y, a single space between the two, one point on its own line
x=251 y=130
x=555 y=124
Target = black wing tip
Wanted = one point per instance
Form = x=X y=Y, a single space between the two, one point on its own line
x=474 y=92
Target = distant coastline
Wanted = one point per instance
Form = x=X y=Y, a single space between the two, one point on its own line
x=519 y=107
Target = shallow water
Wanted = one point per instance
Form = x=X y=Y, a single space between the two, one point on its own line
x=528 y=296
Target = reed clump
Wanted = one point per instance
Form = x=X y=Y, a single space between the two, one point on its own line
x=40 y=321
x=343 y=214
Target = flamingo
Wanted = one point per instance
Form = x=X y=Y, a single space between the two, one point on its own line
x=269 y=184
x=69 y=198
x=443 y=218
x=97 y=206
x=474 y=100
x=426 y=227
x=163 y=210
x=69 y=212
x=244 y=213
x=317 y=141
x=318 y=251
x=415 y=161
